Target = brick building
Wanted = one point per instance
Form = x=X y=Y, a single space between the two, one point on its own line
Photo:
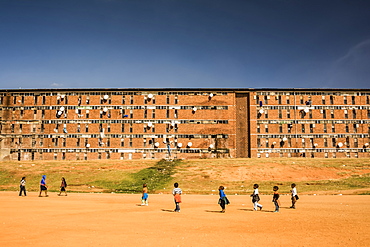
x=86 y=124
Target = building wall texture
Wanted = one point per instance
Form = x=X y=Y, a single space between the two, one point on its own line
x=86 y=124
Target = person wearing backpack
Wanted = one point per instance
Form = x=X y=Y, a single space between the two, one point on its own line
x=63 y=186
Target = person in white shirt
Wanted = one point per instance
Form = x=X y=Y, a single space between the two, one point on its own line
x=294 y=195
x=22 y=186
x=177 y=196
x=256 y=198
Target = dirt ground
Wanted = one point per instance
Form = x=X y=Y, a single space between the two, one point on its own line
x=119 y=220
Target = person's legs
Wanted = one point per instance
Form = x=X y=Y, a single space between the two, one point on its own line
x=177 y=209
x=222 y=204
x=276 y=206
x=293 y=202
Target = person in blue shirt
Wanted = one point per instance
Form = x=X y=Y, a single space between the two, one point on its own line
x=43 y=186
x=223 y=199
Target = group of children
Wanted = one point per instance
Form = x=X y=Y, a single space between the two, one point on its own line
x=223 y=201
x=176 y=192
x=255 y=198
x=43 y=186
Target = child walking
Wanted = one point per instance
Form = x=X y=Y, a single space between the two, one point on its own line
x=177 y=196
x=294 y=195
x=275 y=199
x=223 y=199
x=256 y=198
x=22 y=187
x=63 y=186
x=43 y=186
x=144 y=197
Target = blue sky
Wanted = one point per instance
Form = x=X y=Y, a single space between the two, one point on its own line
x=184 y=44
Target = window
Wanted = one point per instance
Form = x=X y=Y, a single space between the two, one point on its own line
x=331 y=99
x=303 y=129
x=258 y=128
x=266 y=128
x=323 y=100
x=153 y=113
x=345 y=114
x=290 y=126
x=325 y=128
x=334 y=142
x=288 y=113
x=332 y=113
x=347 y=128
x=280 y=113
x=279 y=99
x=122 y=142
x=280 y=128
x=354 y=115
x=324 y=113
x=168 y=99
x=345 y=100
x=325 y=142
x=287 y=100
x=333 y=128
x=353 y=100
x=176 y=100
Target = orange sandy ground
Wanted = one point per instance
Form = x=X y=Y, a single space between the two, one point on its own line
x=119 y=220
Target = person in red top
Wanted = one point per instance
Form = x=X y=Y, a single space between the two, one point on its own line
x=63 y=186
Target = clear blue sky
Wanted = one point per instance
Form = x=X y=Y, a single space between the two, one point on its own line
x=184 y=43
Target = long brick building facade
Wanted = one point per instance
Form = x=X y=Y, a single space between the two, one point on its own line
x=87 y=124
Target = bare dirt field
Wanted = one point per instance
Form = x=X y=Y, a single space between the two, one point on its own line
x=119 y=220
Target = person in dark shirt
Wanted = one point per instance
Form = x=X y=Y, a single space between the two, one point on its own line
x=275 y=199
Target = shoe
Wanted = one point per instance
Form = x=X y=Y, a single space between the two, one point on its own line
x=276 y=211
x=292 y=207
x=260 y=208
